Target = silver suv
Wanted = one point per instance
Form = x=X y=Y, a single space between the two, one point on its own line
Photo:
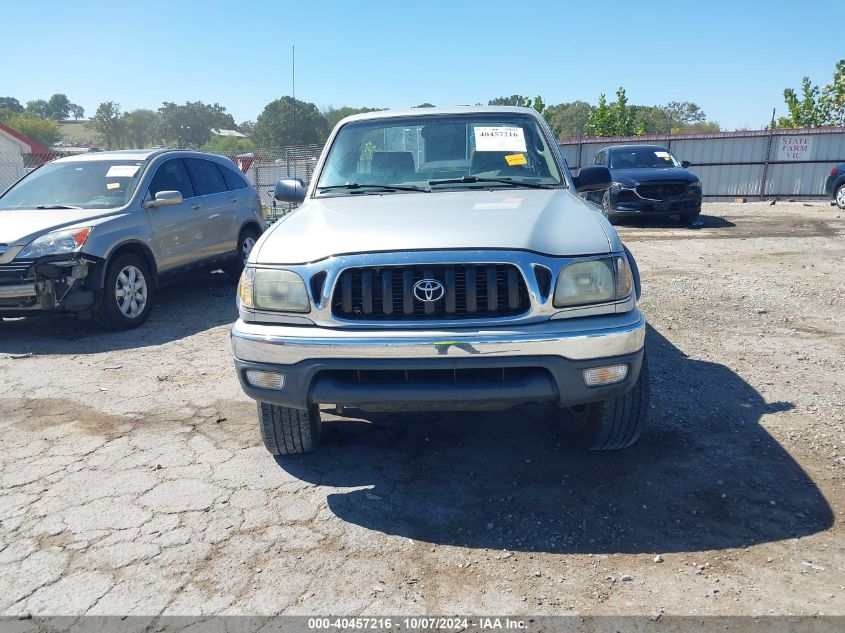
x=442 y=259
x=95 y=234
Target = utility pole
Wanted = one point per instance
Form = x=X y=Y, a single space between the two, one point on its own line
x=293 y=84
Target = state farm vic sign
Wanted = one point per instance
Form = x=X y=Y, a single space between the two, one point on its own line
x=794 y=148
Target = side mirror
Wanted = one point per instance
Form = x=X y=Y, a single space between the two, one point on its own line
x=593 y=178
x=165 y=199
x=685 y=164
x=290 y=190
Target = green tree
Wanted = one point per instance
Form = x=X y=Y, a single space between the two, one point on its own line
x=246 y=127
x=538 y=104
x=109 y=123
x=45 y=131
x=58 y=107
x=334 y=115
x=142 y=128
x=11 y=104
x=816 y=107
x=425 y=105
x=190 y=125
x=623 y=122
x=832 y=99
x=513 y=100
x=228 y=145
x=568 y=119
x=288 y=121
x=38 y=108
x=76 y=111
x=601 y=121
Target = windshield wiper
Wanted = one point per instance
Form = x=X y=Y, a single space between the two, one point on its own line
x=361 y=186
x=476 y=179
x=56 y=206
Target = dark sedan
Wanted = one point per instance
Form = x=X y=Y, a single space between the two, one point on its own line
x=647 y=180
x=835 y=186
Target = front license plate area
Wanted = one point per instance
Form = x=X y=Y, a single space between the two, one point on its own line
x=661 y=206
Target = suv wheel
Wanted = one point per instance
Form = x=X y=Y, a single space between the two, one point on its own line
x=605 y=206
x=689 y=218
x=611 y=424
x=246 y=242
x=127 y=295
x=840 y=196
x=287 y=431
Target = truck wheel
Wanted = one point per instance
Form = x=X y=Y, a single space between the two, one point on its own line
x=611 y=424
x=840 y=196
x=127 y=294
x=246 y=242
x=287 y=431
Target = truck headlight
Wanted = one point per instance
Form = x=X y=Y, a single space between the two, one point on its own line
x=56 y=243
x=279 y=290
x=593 y=281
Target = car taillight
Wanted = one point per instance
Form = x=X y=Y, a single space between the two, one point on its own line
x=833 y=171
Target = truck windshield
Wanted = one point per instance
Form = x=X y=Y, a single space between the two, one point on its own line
x=84 y=184
x=439 y=153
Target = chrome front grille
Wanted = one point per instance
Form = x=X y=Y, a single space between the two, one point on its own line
x=470 y=291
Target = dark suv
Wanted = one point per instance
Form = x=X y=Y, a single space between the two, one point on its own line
x=647 y=180
x=835 y=186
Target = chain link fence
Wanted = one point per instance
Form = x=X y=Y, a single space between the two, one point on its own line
x=15 y=165
x=266 y=166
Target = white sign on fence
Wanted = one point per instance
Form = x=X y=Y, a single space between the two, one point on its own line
x=794 y=147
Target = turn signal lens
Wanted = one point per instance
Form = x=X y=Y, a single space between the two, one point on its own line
x=624 y=278
x=265 y=379
x=605 y=375
x=245 y=288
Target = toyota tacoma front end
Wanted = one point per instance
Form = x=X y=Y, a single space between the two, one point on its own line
x=442 y=260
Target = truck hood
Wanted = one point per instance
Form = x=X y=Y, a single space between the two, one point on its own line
x=552 y=222
x=21 y=226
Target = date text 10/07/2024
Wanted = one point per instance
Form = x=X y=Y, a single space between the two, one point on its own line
x=416 y=623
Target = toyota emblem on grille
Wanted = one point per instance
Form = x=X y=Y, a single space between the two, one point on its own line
x=429 y=290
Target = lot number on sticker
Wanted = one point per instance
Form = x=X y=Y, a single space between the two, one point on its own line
x=122 y=171
x=516 y=159
x=499 y=139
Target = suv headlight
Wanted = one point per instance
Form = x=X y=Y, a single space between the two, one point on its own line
x=271 y=289
x=593 y=281
x=56 y=243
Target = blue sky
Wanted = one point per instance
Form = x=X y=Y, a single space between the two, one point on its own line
x=732 y=58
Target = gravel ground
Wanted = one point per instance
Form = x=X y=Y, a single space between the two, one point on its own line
x=133 y=480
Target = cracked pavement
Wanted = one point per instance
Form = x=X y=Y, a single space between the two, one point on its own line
x=133 y=479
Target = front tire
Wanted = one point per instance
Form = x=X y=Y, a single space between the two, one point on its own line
x=287 y=431
x=605 y=206
x=840 y=196
x=127 y=297
x=689 y=218
x=610 y=424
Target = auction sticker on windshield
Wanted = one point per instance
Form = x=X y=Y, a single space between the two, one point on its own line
x=122 y=171
x=499 y=139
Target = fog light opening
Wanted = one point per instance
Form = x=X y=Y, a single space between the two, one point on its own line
x=608 y=375
x=265 y=379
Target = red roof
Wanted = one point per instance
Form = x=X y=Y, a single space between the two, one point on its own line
x=34 y=146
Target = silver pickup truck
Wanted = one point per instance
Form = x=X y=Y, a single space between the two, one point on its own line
x=442 y=259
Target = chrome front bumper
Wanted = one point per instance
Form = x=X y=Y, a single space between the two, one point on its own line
x=575 y=339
